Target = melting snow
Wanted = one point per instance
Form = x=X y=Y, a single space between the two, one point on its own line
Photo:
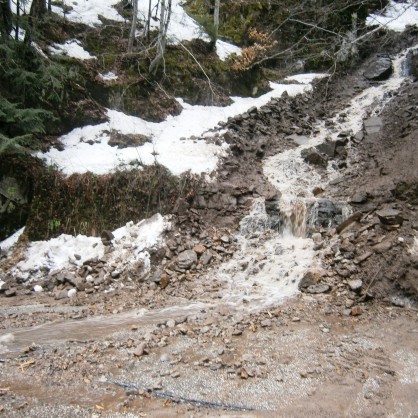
x=224 y=49
x=71 y=48
x=9 y=242
x=110 y=76
x=306 y=78
x=169 y=146
x=396 y=16
x=130 y=245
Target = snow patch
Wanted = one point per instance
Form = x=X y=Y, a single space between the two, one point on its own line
x=110 y=76
x=396 y=16
x=306 y=78
x=12 y=240
x=172 y=146
x=71 y=48
x=225 y=49
x=130 y=246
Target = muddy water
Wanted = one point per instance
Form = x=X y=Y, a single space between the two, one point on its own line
x=94 y=327
x=270 y=260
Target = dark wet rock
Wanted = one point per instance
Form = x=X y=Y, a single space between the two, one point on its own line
x=186 y=259
x=314 y=157
x=379 y=70
x=327 y=213
x=107 y=237
x=327 y=148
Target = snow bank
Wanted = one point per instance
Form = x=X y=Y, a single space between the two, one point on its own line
x=130 y=245
x=396 y=16
x=173 y=143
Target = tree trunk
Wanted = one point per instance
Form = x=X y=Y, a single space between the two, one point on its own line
x=6 y=19
x=162 y=36
x=17 y=20
x=148 y=24
x=216 y=18
x=133 y=27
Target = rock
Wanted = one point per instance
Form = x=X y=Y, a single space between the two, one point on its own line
x=373 y=125
x=186 y=259
x=317 y=237
x=353 y=218
x=171 y=323
x=117 y=139
x=71 y=293
x=181 y=206
x=37 y=288
x=313 y=156
x=356 y=311
x=62 y=294
x=115 y=274
x=199 y=249
x=107 y=237
x=225 y=239
x=379 y=70
x=358 y=137
x=363 y=257
x=359 y=197
x=317 y=288
x=266 y=323
x=10 y=292
x=76 y=281
x=327 y=148
x=389 y=216
x=310 y=278
x=206 y=257
x=164 y=280
x=355 y=285
x=141 y=349
x=382 y=247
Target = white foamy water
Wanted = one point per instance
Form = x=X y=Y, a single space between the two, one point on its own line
x=267 y=267
x=289 y=173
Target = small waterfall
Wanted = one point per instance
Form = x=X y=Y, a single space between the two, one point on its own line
x=293 y=216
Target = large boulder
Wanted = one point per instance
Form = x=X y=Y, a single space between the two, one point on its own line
x=379 y=70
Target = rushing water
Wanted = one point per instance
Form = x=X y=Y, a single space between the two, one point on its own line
x=273 y=250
